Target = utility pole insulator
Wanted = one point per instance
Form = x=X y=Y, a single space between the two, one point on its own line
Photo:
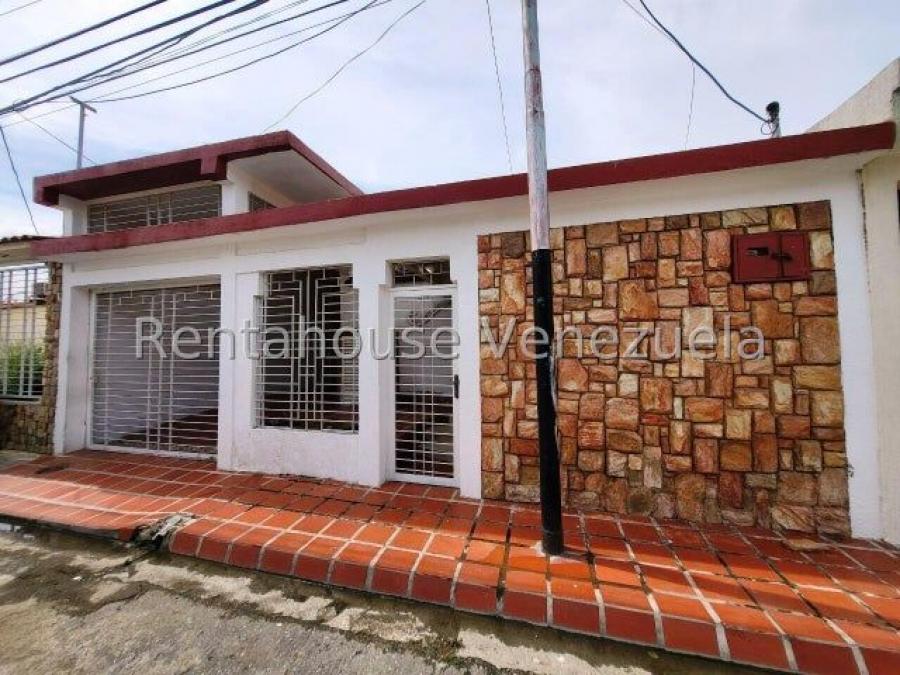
x=539 y=207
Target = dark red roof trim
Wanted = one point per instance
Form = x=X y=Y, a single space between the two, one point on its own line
x=705 y=160
x=205 y=162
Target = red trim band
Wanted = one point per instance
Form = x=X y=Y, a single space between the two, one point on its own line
x=205 y=162
x=816 y=145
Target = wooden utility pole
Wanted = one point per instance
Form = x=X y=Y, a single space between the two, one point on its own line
x=542 y=281
x=82 y=115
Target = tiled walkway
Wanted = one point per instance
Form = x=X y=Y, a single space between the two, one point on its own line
x=737 y=594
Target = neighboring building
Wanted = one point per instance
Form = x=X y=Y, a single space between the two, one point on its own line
x=29 y=320
x=260 y=231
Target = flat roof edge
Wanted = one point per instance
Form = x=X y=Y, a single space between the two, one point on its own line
x=750 y=154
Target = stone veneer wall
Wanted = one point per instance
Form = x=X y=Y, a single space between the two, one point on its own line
x=718 y=439
x=29 y=426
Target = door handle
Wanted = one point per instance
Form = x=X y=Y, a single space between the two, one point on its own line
x=456 y=386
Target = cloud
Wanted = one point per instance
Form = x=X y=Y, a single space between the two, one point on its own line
x=422 y=106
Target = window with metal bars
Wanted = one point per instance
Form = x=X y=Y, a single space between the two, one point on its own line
x=173 y=206
x=421 y=272
x=257 y=203
x=308 y=360
x=23 y=323
x=150 y=400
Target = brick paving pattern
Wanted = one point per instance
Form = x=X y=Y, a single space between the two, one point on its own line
x=734 y=593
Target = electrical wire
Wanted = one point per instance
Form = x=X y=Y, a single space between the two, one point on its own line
x=80 y=32
x=48 y=113
x=346 y=63
x=54 y=136
x=230 y=29
x=499 y=84
x=194 y=66
x=20 y=7
x=115 y=75
x=134 y=34
x=236 y=68
x=12 y=165
x=54 y=93
x=697 y=63
x=690 y=118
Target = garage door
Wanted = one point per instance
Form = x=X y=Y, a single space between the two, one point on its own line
x=149 y=400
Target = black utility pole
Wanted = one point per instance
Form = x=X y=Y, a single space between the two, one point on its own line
x=542 y=282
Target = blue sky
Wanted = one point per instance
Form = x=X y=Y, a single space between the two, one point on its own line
x=422 y=106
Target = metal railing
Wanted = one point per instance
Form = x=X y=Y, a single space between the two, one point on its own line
x=302 y=381
x=23 y=324
x=155 y=209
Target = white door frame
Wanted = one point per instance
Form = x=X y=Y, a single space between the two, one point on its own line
x=392 y=473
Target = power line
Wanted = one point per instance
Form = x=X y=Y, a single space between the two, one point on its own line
x=237 y=51
x=33 y=100
x=499 y=84
x=346 y=63
x=115 y=75
x=188 y=47
x=690 y=118
x=702 y=67
x=643 y=18
x=236 y=68
x=20 y=7
x=43 y=114
x=134 y=34
x=185 y=51
x=12 y=165
x=54 y=136
x=80 y=32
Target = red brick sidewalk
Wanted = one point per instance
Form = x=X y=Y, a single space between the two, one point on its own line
x=738 y=594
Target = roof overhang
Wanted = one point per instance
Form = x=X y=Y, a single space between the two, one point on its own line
x=17 y=248
x=205 y=162
x=820 y=145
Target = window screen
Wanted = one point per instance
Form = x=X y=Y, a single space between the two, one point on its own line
x=308 y=363
x=164 y=207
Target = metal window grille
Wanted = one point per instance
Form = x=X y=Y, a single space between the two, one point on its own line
x=421 y=272
x=424 y=386
x=257 y=203
x=143 y=399
x=308 y=364
x=23 y=323
x=155 y=209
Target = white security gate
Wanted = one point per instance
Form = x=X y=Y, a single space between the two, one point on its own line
x=149 y=400
x=425 y=386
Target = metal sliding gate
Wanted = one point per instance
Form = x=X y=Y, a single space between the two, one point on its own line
x=149 y=398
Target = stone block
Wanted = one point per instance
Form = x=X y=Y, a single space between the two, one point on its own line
x=656 y=394
x=622 y=413
x=615 y=263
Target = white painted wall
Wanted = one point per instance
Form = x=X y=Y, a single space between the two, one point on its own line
x=881 y=183
x=870 y=105
x=368 y=242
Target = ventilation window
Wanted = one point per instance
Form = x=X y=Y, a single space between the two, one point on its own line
x=156 y=209
x=308 y=361
x=259 y=204
x=434 y=272
x=23 y=322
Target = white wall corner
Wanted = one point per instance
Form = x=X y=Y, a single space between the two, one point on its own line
x=857 y=361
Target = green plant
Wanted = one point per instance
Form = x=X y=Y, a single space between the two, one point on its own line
x=21 y=369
